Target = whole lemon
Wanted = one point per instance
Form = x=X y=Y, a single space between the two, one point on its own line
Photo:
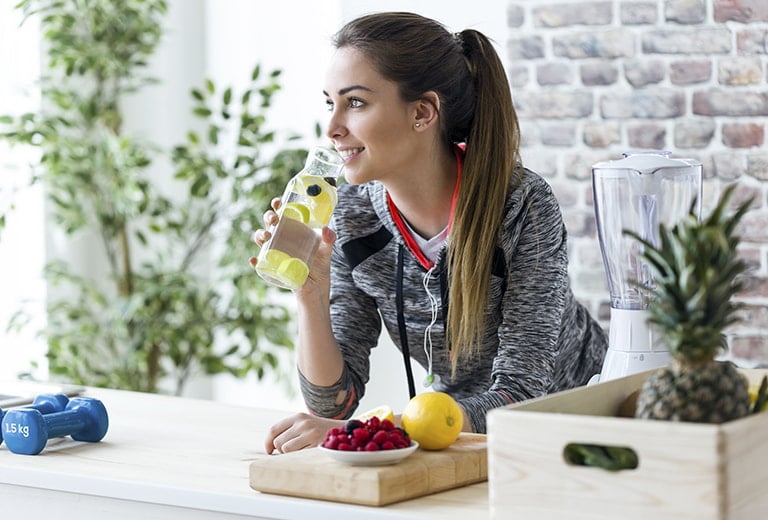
x=433 y=419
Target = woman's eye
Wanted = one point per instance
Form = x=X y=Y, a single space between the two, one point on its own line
x=351 y=103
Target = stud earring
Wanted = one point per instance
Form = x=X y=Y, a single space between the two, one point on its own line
x=418 y=125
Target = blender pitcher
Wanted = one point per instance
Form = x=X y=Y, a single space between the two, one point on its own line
x=637 y=193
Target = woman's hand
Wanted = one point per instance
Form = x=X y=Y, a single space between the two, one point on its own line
x=261 y=236
x=319 y=279
x=297 y=432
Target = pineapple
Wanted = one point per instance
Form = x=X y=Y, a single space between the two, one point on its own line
x=696 y=273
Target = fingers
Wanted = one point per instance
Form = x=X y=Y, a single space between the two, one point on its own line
x=274 y=432
x=261 y=236
x=297 y=432
x=270 y=218
x=299 y=435
x=295 y=444
x=328 y=235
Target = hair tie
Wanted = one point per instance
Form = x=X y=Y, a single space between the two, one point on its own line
x=458 y=37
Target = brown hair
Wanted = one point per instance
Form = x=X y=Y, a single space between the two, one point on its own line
x=421 y=55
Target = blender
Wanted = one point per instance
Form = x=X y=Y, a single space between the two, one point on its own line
x=638 y=192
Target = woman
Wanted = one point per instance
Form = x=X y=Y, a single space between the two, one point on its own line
x=440 y=234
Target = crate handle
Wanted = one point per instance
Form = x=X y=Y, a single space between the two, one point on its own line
x=612 y=458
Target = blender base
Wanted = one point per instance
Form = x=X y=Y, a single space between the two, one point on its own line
x=631 y=346
x=623 y=363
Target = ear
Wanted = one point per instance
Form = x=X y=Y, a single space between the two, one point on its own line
x=426 y=110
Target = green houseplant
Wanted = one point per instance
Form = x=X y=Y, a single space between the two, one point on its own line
x=171 y=306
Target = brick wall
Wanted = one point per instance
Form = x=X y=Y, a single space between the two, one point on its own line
x=594 y=79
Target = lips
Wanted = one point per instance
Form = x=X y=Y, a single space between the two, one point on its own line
x=349 y=153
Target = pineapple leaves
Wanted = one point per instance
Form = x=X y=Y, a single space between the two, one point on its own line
x=696 y=273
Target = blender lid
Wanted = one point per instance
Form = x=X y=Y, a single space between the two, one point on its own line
x=645 y=162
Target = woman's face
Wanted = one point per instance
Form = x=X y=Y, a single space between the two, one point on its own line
x=370 y=125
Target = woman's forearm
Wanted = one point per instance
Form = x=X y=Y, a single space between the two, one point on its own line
x=318 y=356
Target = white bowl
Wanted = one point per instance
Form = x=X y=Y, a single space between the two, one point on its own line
x=371 y=458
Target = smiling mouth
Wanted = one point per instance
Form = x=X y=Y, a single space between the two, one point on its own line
x=349 y=152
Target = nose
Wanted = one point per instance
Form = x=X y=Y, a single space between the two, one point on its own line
x=335 y=126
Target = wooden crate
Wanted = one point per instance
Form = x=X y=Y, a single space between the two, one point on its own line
x=686 y=470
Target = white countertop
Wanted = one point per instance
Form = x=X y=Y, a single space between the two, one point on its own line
x=164 y=456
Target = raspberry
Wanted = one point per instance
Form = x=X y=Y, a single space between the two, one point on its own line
x=371 y=446
x=380 y=437
x=332 y=442
x=361 y=434
x=387 y=445
x=343 y=446
x=387 y=425
x=396 y=435
x=373 y=423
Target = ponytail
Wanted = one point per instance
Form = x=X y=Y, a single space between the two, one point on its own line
x=491 y=165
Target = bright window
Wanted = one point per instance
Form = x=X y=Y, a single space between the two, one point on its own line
x=22 y=242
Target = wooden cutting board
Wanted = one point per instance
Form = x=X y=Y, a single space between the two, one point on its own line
x=311 y=473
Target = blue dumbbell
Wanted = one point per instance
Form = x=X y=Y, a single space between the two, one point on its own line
x=49 y=403
x=27 y=431
x=43 y=403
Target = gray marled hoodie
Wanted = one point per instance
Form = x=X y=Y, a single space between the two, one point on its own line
x=538 y=338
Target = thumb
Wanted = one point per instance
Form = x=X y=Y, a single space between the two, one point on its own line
x=327 y=239
x=327 y=236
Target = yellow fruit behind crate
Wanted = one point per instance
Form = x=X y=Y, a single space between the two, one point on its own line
x=753 y=393
x=433 y=419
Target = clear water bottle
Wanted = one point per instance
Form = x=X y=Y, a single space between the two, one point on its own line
x=306 y=206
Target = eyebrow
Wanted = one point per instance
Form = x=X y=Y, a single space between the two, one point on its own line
x=346 y=90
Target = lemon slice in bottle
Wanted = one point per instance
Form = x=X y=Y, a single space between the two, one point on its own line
x=271 y=260
x=321 y=199
x=296 y=211
x=322 y=208
x=293 y=272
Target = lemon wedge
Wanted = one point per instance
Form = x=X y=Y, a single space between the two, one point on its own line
x=296 y=211
x=293 y=272
x=270 y=260
x=382 y=412
x=320 y=197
